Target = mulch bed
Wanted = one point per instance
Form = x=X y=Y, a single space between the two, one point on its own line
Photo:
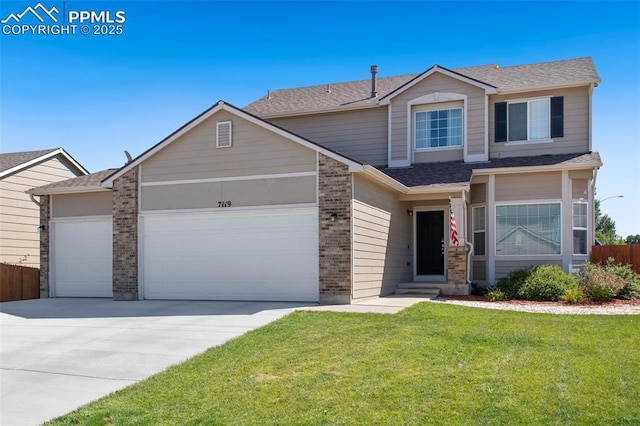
x=612 y=303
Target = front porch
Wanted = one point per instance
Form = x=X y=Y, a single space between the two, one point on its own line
x=457 y=282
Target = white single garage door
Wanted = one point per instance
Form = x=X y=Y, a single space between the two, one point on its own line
x=223 y=255
x=82 y=252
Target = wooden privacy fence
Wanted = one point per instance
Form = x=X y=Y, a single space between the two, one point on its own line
x=626 y=255
x=18 y=282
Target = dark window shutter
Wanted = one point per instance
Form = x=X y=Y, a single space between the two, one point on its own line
x=557 y=117
x=501 y=122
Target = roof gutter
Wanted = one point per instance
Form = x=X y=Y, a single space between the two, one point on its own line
x=382 y=178
x=390 y=182
x=532 y=169
x=549 y=87
x=72 y=190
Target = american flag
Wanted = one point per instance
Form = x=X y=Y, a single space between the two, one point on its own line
x=454 y=229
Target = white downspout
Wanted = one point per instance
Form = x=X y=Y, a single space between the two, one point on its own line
x=467 y=243
x=34 y=200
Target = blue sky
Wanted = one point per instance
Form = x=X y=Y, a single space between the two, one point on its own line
x=97 y=95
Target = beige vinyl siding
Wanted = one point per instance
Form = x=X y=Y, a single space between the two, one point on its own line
x=381 y=240
x=528 y=187
x=19 y=216
x=84 y=204
x=478 y=193
x=579 y=189
x=479 y=270
x=437 y=82
x=503 y=267
x=243 y=193
x=255 y=151
x=361 y=135
x=576 y=125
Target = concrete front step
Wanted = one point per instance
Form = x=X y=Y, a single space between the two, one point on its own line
x=423 y=292
x=432 y=290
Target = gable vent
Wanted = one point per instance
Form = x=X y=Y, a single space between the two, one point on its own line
x=223 y=134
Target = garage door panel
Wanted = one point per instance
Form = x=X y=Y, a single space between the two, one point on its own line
x=258 y=255
x=82 y=263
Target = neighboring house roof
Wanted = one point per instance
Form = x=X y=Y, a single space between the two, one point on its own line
x=14 y=162
x=357 y=94
x=458 y=173
x=222 y=105
x=87 y=183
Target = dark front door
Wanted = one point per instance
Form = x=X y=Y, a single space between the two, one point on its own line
x=430 y=243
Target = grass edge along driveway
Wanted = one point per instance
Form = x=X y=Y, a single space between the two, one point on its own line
x=429 y=364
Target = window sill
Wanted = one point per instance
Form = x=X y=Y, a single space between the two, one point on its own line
x=438 y=148
x=529 y=142
x=524 y=256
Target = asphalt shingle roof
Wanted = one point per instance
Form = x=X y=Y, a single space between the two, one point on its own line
x=358 y=93
x=14 y=159
x=86 y=181
x=455 y=173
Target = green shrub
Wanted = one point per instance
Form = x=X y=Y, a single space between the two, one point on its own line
x=599 y=283
x=574 y=296
x=631 y=289
x=496 y=295
x=546 y=282
x=510 y=284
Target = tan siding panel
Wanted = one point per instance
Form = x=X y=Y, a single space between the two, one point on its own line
x=255 y=151
x=479 y=270
x=262 y=192
x=84 y=204
x=576 y=125
x=19 y=216
x=381 y=241
x=503 y=267
x=478 y=193
x=579 y=189
x=443 y=84
x=361 y=135
x=528 y=186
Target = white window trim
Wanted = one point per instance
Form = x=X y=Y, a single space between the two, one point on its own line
x=436 y=148
x=218 y=125
x=436 y=97
x=525 y=256
x=484 y=229
x=529 y=141
x=579 y=228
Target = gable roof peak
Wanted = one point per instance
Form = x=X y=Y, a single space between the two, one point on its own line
x=12 y=162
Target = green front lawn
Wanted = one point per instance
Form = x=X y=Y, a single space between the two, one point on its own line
x=429 y=364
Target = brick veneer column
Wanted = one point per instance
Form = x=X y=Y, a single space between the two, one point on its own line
x=457 y=265
x=334 y=196
x=45 y=215
x=125 y=236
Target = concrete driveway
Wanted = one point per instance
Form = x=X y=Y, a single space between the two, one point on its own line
x=58 y=354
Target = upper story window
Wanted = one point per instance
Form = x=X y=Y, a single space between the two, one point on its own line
x=529 y=120
x=438 y=128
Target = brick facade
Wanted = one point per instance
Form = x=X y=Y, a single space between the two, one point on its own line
x=457 y=270
x=45 y=216
x=125 y=236
x=334 y=196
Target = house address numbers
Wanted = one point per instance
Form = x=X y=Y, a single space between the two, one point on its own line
x=222 y=204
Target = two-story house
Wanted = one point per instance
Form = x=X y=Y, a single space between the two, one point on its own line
x=345 y=191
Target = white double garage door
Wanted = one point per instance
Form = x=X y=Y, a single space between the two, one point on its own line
x=269 y=254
